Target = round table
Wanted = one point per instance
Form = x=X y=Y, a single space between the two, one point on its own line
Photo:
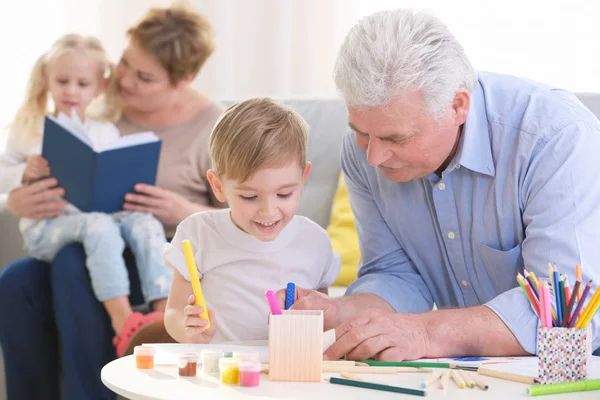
x=163 y=382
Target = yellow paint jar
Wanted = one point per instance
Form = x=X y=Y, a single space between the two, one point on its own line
x=229 y=370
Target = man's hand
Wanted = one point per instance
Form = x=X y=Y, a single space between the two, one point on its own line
x=386 y=336
x=306 y=299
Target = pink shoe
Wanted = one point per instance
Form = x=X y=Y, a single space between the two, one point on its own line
x=136 y=324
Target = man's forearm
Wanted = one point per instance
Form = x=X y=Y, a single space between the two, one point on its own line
x=472 y=331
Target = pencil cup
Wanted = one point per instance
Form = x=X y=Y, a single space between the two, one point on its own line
x=564 y=354
x=296 y=346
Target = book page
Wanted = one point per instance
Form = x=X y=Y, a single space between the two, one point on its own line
x=73 y=127
x=130 y=140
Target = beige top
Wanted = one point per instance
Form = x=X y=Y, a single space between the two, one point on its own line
x=184 y=158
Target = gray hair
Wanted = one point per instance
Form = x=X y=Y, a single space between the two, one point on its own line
x=390 y=52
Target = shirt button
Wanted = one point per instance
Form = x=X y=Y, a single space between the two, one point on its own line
x=441 y=186
x=451 y=235
x=465 y=283
x=457 y=166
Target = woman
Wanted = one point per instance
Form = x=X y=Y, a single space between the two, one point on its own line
x=41 y=305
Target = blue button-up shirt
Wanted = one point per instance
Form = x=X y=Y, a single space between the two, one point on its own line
x=521 y=190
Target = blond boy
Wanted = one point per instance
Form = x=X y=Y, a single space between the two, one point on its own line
x=258 y=151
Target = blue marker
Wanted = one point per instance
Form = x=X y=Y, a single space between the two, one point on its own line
x=290 y=294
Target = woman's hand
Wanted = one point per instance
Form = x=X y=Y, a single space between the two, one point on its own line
x=194 y=326
x=38 y=200
x=168 y=207
x=35 y=168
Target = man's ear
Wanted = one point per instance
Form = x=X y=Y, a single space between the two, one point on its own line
x=216 y=185
x=461 y=105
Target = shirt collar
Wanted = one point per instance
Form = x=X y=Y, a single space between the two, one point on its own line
x=474 y=149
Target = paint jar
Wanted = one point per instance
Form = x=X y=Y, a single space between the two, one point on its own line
x=144 y=357
x=210 y=361
x=229 y=369
x=250 y=373
x=246 y=355
x=188 y=364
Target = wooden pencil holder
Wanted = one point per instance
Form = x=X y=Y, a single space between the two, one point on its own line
x=296 y=346
x=564 y=354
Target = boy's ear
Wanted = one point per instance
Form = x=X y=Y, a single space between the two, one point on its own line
x=216 y=185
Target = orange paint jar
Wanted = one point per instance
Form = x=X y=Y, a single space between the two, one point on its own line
x=144 y=357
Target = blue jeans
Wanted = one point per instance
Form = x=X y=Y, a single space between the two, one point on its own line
x=104 y=237
x=49 y=316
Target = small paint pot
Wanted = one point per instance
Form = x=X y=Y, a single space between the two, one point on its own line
x=229 y=371
x=210 y=361
x=188 y=364
x=249 y=371
x=144 y=357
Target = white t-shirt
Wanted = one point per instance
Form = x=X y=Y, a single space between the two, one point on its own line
x=236 y=269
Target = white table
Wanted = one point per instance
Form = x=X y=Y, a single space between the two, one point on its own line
x=163 y=382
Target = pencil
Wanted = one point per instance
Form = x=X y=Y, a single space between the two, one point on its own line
x=567 y=318
x=575 y=317
x=590 y=310
x=432 y=378
x=195 y=280
x=531 y=283
x=528 y=293
x=418 y=364
x=480 y=384
x=567 y=290
x=507 y=376
x=543 y=310
x=444 y=380
x=376 y=386
x=579 y=278
x=371 y=370
x=467 y=378
x=557 y=295
x=563 y=298
x=352 y=377
x=460 y=382
x=535 y=280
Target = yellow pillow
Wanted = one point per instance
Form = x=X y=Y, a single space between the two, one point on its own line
x=342 y=232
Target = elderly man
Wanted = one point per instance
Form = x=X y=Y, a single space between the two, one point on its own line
x=458 y=181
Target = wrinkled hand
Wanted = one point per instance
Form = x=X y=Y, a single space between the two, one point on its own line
x=194 y=326
x=386 y=336
x=306 y=299
x=38 y=200
x=168 y=207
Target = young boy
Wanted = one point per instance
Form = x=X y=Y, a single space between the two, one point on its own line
x=258 y=151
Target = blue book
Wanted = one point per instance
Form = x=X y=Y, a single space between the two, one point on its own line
x=98 y=179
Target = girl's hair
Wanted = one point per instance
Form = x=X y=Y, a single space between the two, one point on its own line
x=29 y=118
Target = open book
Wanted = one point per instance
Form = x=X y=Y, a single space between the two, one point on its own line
x=95 y=176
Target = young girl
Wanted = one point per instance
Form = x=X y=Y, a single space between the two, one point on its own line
x=76 y=75
x=258 y=153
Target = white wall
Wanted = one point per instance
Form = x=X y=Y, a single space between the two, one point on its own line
x=287 y=48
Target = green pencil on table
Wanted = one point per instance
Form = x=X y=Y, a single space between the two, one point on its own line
x=377 y=386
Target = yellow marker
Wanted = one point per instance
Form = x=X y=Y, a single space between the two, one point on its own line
x=193 y=271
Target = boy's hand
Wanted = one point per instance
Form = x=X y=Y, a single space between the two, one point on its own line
x=194 y=326
x=35 y=168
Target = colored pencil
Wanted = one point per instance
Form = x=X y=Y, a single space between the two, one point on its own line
x=590 y=310
x=432 y=378
x=376 y=386
x=568 y=314
x=371 y=370
x=544 y=315
x=557 y=295
x=531 y=283
x=535 y=280
x=444 y=380
x=575 y=317
x=579 y=278
x=480 y=384
x=418 y=364
x=506 y=376
x=563 y=302
x=529 y=293
x=567 y=290
x=466 y=375
x=460 y=382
